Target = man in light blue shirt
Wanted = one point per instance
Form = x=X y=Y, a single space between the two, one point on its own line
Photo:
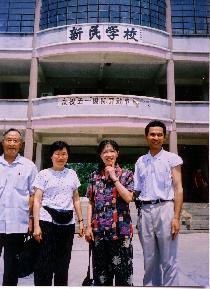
x=16 y=177
x=157 y=181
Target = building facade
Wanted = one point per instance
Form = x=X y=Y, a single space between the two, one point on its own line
x=84 y=70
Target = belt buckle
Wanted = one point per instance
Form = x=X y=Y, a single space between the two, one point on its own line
x=154 y=202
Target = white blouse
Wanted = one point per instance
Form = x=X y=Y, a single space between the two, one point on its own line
x=57 y=188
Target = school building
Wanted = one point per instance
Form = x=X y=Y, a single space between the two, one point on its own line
x=85 y=70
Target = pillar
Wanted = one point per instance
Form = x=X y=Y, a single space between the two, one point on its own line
x=28 y=151
x=38 y=156
x=171 y=81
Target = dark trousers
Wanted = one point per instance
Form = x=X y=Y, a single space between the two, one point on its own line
x=112 y=259
x=54 y=254
x=13 y=244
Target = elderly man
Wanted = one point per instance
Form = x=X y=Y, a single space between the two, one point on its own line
x=158 y=180
x=16 y=177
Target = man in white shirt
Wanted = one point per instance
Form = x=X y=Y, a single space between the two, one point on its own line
x=16 y=177
x=158 y=184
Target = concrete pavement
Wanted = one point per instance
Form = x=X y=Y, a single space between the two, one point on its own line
x=193 y=262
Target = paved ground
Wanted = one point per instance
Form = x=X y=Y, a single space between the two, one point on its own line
x=193 y=262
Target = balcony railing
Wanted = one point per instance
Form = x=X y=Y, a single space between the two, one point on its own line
x=104 y=105
x=194 y=112
x=12 y=109
x=101 y=105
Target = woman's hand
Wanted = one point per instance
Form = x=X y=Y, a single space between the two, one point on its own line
x=37 y=234
x=110 y=171
x=81 y=229
x=89 y=234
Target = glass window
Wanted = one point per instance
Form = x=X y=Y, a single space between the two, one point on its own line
x=3 y=23
x=4 y=10
x=13 y=28
x=82 y=2
x=52 y=6
x=28 y=17
x=62 y=4
x=103 y=14
x=92 y=14
x=14 y=17
x=82 y=8
x=92 y=8
x=114 y=7
x=15 y=13
x=3 y=16
x=127 y=11
x=193 y=11
x=27 y=29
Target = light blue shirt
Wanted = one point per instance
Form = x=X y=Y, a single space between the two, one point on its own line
x=153 y=176
x=58 y=188
x=15 y=187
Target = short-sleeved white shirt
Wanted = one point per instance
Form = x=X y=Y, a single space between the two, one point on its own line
x=16 y=181
x=57 y=188
x=153 y=176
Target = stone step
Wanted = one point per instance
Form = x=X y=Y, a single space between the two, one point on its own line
x=198 y=212
x=199 y=224
x=195 y=205
x=200 y=217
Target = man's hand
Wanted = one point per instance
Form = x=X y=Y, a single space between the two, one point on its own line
x=30 y=225
x=175 y=227
x=37 y=234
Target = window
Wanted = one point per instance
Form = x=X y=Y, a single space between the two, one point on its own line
x=17 y=16
x=189 y=17
x=144 y=12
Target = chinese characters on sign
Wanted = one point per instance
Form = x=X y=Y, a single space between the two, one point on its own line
x=104 y=32
x=98 y=100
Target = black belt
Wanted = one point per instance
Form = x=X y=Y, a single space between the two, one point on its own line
x=153 y=202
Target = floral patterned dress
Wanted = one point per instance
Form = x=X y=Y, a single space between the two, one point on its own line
x=112 y=229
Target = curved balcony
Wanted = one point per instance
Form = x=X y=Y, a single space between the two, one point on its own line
x=192 y=116
x=81 y=110
x=103 y=110
x=103 y=37
x=13 y=113
x=15 y=46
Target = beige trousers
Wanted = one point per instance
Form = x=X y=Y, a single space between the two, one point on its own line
x=159 y=250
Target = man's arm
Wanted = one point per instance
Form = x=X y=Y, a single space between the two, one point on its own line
x=31 y=204
x=178 y=199
x=33 y=174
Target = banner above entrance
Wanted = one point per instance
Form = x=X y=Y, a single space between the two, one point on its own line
x=105 y=33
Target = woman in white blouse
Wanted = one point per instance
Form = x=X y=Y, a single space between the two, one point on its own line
x=56 y=194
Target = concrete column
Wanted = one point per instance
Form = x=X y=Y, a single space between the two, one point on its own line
x=171 y=81
x=38 y=162
x=28 y=151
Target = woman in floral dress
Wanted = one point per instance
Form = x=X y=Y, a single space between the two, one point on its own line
x=109 y=227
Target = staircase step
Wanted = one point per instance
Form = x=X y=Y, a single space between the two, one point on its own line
x=199 y=224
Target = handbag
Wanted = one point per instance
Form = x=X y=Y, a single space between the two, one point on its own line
x=88 y=281
x=27 y=256
x=61 y=217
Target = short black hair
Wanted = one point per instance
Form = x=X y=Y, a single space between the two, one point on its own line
x=105 y=142
x=59 y=145
x=12 y=129
x=154 y=123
